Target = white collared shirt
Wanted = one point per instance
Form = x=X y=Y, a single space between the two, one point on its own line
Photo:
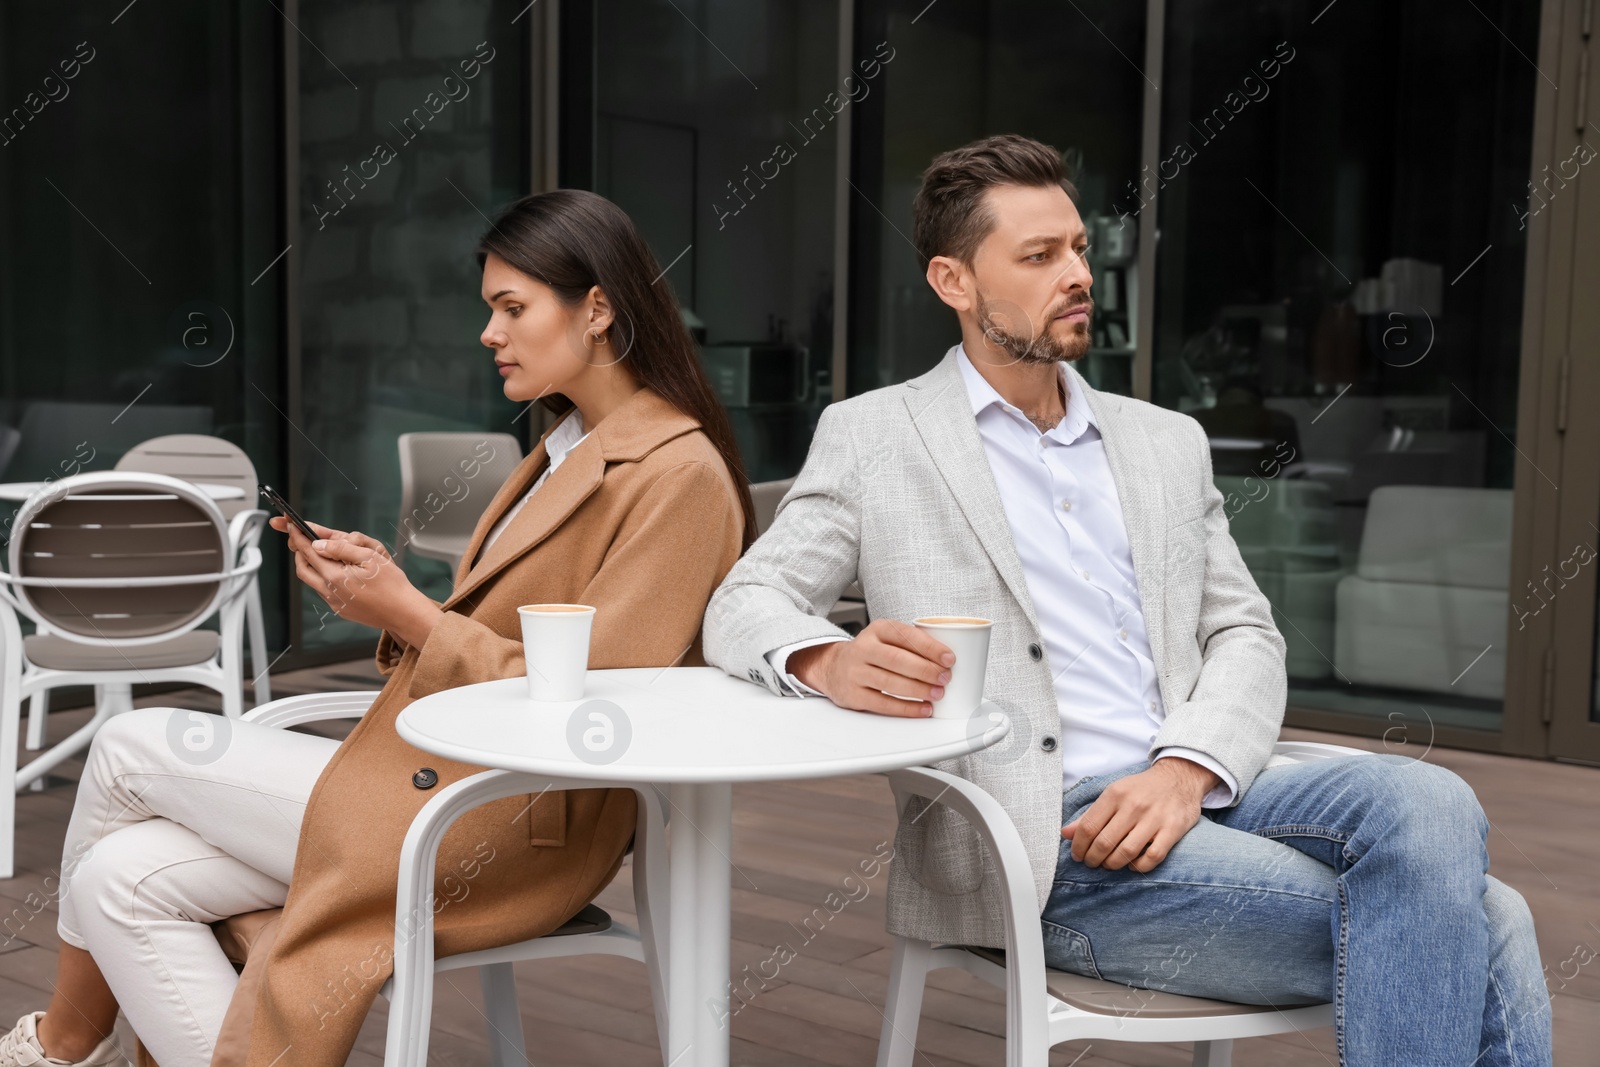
x=567 y=435
x=1066 y=522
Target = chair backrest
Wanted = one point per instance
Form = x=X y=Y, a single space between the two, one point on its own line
x=448 y=479
x=96 y=531
x=766 y=496
x=245 y=530
x=197 y=457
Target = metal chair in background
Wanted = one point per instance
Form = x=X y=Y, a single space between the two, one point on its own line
x=200 y=458
x=1045 y=1007
x=118 y=570
x=446 y=482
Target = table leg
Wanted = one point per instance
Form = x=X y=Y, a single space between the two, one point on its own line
x=698 y=936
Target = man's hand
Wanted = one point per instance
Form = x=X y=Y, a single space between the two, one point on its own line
x=356 y=576
x=887 y=657
x=1138 y=819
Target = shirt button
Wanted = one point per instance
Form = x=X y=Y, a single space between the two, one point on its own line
x=1043 y=442
x=1066 y=505
x=1122 y=635
x=1035 y=653
x=426 y=778
x=1048 y=744
x=1152 y=705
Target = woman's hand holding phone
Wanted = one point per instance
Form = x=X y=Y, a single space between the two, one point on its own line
x=356 y=575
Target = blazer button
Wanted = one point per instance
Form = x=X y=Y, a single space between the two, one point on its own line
x=426 y=778
x=1048 y=744
x=1035 y=653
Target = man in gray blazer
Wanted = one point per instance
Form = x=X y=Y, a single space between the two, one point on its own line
x=1139 y=665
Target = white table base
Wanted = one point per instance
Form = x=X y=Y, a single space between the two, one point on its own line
x=693 y=731
x=699 y=843
x=700 y=822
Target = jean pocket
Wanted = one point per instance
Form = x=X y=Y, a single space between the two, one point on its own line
x=1067 y=950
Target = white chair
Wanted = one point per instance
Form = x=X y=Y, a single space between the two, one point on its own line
x=196 y=457
x=117 y=570
x=591 y=932
x=851 y=610
x=1045 y=1007
x=446 y=482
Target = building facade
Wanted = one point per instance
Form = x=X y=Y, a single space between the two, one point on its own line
x=1358 y=242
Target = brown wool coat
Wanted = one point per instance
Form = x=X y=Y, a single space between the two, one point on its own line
x=642 y=520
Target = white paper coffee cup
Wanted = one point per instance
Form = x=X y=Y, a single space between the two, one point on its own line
x=555 y=647
x=968 y=638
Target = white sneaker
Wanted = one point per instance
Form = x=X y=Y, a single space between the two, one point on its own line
x=21 y=1048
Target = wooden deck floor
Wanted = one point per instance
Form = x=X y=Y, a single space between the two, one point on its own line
x=792 y=845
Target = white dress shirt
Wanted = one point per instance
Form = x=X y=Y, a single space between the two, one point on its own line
x=567 y=435
x=1066 y=523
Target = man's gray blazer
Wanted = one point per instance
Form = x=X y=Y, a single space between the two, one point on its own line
x=897 y=494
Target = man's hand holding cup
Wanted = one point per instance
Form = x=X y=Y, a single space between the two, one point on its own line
x=898 y=668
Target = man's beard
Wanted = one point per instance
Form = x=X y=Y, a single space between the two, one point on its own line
x=1039 y=347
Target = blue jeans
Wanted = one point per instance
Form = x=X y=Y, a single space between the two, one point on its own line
x=1359 y=880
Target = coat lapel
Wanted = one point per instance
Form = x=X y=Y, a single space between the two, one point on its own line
x=941 y=411
x=640 y=424
x=1138 y=483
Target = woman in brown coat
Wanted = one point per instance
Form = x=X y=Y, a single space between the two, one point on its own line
x=635 y=503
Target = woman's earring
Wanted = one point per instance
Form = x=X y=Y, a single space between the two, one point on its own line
x=599 y=338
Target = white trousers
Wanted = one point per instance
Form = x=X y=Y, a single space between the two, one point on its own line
x=182 y=818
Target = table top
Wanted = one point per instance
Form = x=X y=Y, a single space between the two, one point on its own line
x=680 y=724
x=20 y=491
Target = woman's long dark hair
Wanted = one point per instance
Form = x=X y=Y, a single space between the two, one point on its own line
x=572 y=240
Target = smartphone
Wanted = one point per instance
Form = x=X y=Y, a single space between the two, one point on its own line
x=276 y=500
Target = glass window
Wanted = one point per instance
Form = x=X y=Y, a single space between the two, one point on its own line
x=138 y=221
x=1339 y=303
x=954 y=73
x=413 y=133
x=714 y=127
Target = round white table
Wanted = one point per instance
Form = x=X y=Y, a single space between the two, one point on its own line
x=693 y=730
x=21 y=491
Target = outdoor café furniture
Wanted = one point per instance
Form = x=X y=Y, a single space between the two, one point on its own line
x=117 y=570
x=19 y=492
x=590 y=932
x=687 y=732
x=214 y=463
x=1045 y=1007
x=446 y=482
x=224 y=472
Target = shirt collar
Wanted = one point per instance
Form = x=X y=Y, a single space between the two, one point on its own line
x=1078 y=419
x=567 y=435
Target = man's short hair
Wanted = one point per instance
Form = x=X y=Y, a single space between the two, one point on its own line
x=950 y=216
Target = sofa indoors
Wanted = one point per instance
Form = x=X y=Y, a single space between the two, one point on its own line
x=1429 y=593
